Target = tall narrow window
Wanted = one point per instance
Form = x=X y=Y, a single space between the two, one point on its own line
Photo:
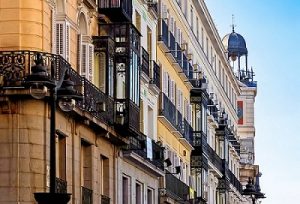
x=150 y=123
x=139 y=193
x=62 y=36
x=197 y=28
x=192 y=19
x=138 y=21
x=149 y=42
x=125 y=190
x=150 y=196
x=86 y=165
x=104 y=175
x=61 y=157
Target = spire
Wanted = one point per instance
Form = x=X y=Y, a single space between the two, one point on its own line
x=232 y=25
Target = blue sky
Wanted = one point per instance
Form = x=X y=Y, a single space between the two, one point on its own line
x=272 y=32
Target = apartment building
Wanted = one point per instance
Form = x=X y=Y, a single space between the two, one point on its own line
x=121 y=101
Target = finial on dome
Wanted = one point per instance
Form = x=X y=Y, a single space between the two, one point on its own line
x=233 y=25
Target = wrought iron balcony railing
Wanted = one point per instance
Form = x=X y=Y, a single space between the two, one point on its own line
x=116 y=10
x=176 y=188
x=60 y=185
x=214 y=158
x=145 y=62
x=163 y=32
x=155 y=74
x=234 y=181
x=86 y=195
x=168 y=109
x=105 y=199
x=139 y=145
x=16 y=65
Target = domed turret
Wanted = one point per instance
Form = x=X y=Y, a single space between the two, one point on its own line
x=235 y=45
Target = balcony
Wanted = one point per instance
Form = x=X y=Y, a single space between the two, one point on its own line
x=155 y=75
x=150 y=154
x=96 y=102
x=175 y=188
x=163 y=36
x=214 y=158
x=235 y=144
x=105 y=199
x=60 y=185
x=234 y=181
x=145 y=62
x=86 y=195
x=116 y=10
x=168 y=110
x=200 y=152
x=127 y=115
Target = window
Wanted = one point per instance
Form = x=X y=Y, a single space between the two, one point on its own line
x=202 y=37
x=150 y=123
x=139 y=193
x=192 y=19
x=62 y=36
x=197 y=28
x=61 y=156
x=104 y=162
x=207 y=54
x=138 y=21
x=86 y=164
x=149 y=42
x=150 y=196
x=125 y=190
x=85 y=58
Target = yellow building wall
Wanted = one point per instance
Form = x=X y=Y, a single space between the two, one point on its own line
x=25 y=25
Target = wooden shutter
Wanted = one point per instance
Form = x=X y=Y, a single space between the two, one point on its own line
x=67 y=41
x=83 y=65
x=59 y=38
x=62 y=42
x=79 y=50
x=90 y=61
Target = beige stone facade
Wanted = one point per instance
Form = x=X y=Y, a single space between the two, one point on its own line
x=158 y=121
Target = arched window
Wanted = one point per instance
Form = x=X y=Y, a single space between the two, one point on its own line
x=85 y=50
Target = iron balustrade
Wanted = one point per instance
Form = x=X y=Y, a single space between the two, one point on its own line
x=15 y=66
x=60 y=185
x=168 y=109
x=145 y=62
x=236 y=145
x=155 y=74
x=134 y=116
x=185 y=65
x=139 y=145
x=105 y=199
x=214 y=158
x=175 y=187
x=116 y=10
x=97 y=103
x=187 y=131
x=200 y=140
x=172 y=44
x=164 y=32
x=86 y=195
x=234 y=181
x=178 y=54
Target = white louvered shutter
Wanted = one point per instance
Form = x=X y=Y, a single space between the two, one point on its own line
x=79 y=50
x=83 y=64
x=59 y=38
x=190 y=114
x=90 y=61
x=67 y=56
x=62 y=42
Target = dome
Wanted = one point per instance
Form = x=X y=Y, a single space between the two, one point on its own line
x=235 y=44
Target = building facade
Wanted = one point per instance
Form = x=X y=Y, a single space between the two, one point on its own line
x=157 y=117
